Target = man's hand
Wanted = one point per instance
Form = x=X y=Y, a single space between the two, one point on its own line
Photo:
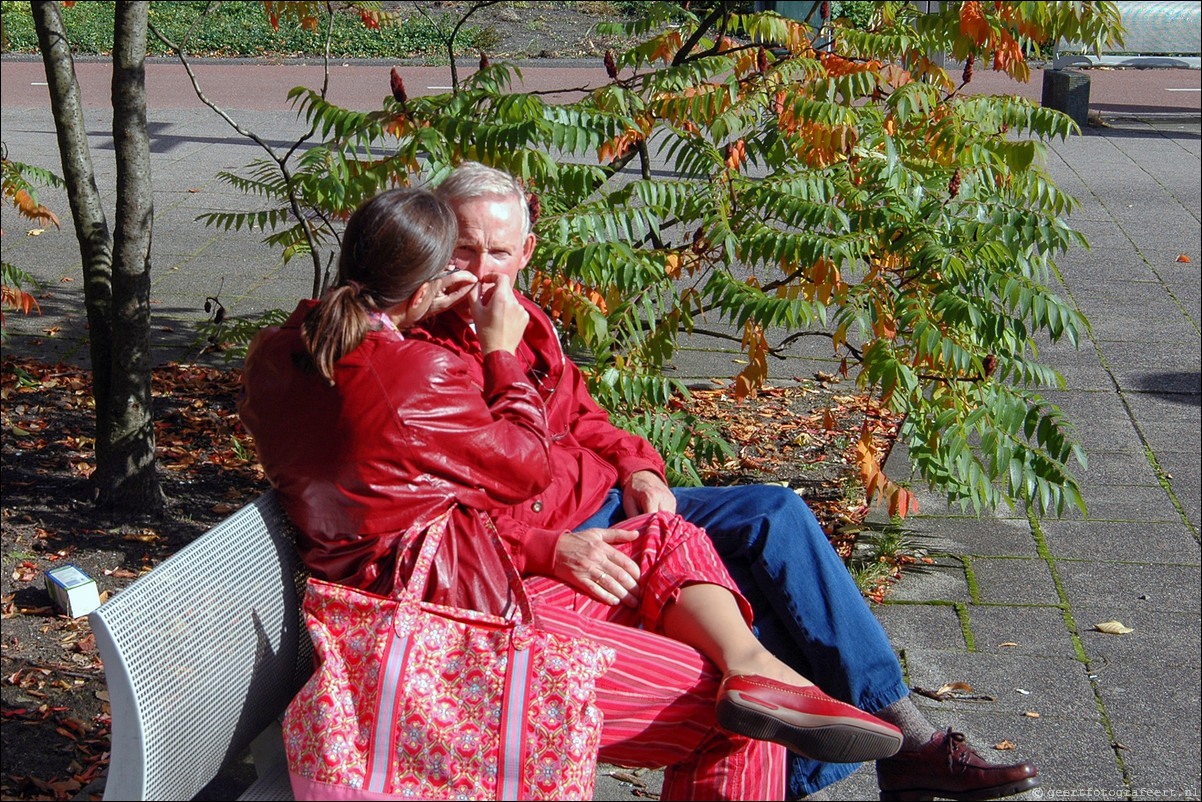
x=587 y=561
x=500 y=318
x=644 y=491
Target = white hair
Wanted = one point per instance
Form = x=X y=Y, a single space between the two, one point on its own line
x=472 y=180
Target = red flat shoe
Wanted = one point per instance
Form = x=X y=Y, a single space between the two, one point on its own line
x=804 y=719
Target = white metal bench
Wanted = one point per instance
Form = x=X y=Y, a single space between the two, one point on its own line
x=202 y=655
x=1163 y=33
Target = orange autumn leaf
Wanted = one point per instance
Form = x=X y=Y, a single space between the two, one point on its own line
x=736 y=152
x=1008 y=57
x=1182 y=258
x=973 y=23
x=877 y=486
x=752 y=378
x=30 y=208
x=667 y=47
x=836 y=66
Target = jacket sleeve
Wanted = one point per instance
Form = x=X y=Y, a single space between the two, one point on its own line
x=590 y=424
x=532 y=548
x=492 y=439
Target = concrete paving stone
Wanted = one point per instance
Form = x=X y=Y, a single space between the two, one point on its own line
x=1086 y=377
x=1086 y=405
x=1034 y=631
x=944 y=580
x=859 y=785
x=617 y=783
x=1164 y=408
x=1179 y=465
x=1117 y=280
x=1113 y=469
x=1112 y=435
x=1137 y=503
x=1167 y=543
x=1183 y=381
x=1160 y=639
x=1019 y=580
x=1058 y=687
x=1168 y=588
x=933 y=626
x=1153 y=356
x=1172 y=436
x=985 y=536
x=1161 y=759
x=1112 y=325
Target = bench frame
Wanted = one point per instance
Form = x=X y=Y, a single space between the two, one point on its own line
x=201 y=657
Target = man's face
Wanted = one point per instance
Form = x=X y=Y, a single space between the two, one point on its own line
x=490 y=238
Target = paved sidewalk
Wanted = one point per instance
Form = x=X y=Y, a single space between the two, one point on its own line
x=1010 y=604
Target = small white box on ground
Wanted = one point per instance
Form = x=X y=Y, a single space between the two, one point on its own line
x=73 y=591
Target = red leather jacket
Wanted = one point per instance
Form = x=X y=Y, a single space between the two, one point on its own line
x=408 y=430
x=589 y=455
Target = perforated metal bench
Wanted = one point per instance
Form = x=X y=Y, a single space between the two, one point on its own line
x=1159 y=34
x=202 y=655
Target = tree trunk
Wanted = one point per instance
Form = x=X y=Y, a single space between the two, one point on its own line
x=116 y=268
x=127 y=475
x=91 y=228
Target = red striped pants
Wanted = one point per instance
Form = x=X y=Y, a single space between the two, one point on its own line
x=658 y=698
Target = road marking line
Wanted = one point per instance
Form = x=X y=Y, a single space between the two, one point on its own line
x=1190 y=89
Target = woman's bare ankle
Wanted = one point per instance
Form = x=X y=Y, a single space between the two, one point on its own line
x=766 y=665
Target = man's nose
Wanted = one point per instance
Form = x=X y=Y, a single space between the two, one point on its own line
x=471 y=264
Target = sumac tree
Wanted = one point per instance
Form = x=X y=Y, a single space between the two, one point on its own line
x=856 y=192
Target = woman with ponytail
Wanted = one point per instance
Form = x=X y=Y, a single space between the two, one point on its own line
x=364 y=431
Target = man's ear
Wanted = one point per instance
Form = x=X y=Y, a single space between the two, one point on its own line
x=528 y=249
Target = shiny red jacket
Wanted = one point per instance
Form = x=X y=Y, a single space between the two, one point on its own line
x=589 y=455
x=409 y=430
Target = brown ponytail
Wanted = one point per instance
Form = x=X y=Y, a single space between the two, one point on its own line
x=393 y=243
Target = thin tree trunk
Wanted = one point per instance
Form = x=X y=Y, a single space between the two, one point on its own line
x=128 y=478
x=91 y=228
x=116 y=269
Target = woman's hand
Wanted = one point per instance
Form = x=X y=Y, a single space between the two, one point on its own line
x=452 y=289
x=499 y=316
x=587 y=560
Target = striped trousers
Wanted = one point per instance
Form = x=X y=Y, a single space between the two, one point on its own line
x=658 y=697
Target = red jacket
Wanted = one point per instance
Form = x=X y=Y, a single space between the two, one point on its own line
x=409 y=430
x=589 y=455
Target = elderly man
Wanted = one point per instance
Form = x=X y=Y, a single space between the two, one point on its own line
x=808 y=611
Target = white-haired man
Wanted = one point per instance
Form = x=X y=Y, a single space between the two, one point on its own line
x=808 y=611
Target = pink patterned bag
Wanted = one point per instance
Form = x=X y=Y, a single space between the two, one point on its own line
x=420 y=701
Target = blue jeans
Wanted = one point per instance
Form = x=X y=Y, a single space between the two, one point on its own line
x=808 y=611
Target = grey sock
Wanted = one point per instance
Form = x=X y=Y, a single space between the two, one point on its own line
x=915 y=728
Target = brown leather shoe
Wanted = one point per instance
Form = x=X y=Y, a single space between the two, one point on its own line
x=948 y=768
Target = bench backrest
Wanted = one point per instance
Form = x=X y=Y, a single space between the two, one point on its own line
x=202 y=653
x=1164 y=33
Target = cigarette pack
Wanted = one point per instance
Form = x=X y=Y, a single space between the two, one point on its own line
x=74 y=592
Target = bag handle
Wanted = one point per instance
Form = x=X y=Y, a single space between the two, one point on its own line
x=434 y=532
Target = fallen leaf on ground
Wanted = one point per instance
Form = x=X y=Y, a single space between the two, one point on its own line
x=1113 y=628
x=1031 y=714
x=1182 y=258
x=952 y=687
x=1003 y=746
